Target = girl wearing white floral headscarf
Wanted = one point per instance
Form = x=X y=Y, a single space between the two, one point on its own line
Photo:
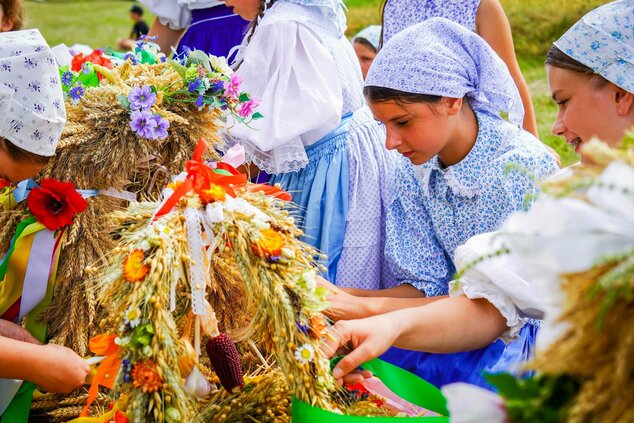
x=32 y=117
x=366 y=46
x=317 y=138
x=494 y=297
x=439 y=89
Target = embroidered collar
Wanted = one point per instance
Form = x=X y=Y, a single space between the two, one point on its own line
x=464 y=177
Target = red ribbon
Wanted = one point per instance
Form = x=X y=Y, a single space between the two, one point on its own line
x=200 y=177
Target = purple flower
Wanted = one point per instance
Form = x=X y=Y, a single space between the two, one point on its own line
x=16 y=125
x=37 y=135
x=77 y=92
x=232 y=88
x=200 y=102
x=67 y=78
x=161 y=126
x=141 y=98
x=6 y=66
x=194 y=85
x=217 y=86
x=246 y=109
x=86 y=67
x=29 y=63
x=131 y=57
x=35 y=86
x=143 y=124
x=38 y=107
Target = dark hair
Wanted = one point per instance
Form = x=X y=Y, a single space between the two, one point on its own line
x=366 y=43
x=382 y=23
x=20 y=155
x=12 y=11
x=381 y=94
x=137 y=9
x=559 y=59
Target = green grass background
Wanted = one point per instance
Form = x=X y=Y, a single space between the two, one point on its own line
x=536 y=24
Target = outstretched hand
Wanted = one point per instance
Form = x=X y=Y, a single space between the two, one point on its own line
x=361 y=340
x=341 y=305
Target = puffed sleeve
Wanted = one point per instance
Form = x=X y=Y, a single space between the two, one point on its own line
x=413 y=253
x=295 y=77
x=488 y=270
x=170 y=13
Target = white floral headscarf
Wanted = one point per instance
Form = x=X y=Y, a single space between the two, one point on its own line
x=32 y=113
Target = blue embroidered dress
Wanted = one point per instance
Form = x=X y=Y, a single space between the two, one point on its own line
x=436 y=209
x=318 y=138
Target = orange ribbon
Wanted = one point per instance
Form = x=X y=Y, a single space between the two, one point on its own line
x=200 y=176
x=108 y=369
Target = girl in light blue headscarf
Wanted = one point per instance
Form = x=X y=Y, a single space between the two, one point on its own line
x=439 y=90
x=484 y=17
x=591 y=76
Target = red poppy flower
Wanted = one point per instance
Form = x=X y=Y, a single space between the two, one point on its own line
x=55 y=203
x=4 y=183
x=95 y=57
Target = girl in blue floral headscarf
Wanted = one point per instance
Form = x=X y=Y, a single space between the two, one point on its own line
x=591 y=76
x=439 y=89
x=484 y=17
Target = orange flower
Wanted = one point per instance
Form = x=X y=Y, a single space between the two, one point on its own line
x=270 y=244
x=213 y=193
x=317 y=325
x=145 y=376
x=174 y=185
x=134 y=270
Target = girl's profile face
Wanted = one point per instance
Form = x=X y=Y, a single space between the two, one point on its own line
x=247 y=9
x=589 y=107
x=418 y=131
x=6 y=25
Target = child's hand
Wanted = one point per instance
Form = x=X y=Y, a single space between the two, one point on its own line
x=11 y=330
x=60 y=370
x=341 y=305
x=362 y=340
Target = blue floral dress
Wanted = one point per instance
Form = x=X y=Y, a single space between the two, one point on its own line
x=436 y=209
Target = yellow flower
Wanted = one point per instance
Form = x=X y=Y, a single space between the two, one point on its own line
x=270 y=243
x=145 y=376
x=134 y=270
x=213 y=193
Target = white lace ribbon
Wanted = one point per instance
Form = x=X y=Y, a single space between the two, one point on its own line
x=197 y=271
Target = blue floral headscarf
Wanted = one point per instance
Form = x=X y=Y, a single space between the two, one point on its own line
x=603 y=40
x=440 y=57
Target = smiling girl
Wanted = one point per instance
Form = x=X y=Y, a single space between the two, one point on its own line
x=494 y=297
x=590 y=72
x=439 y=89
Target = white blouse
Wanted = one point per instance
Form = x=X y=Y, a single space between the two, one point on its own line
x=306 y=75
x=177 y=14
x=557 y=236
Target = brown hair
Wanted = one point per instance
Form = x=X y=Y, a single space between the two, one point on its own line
x=381 y=94
x=559 y=59
x=20 y=155
x=12 y=11
x=366 y=43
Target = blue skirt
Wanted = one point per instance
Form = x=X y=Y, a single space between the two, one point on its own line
x=321 y=191
x=215 y=30
x=469 y=367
